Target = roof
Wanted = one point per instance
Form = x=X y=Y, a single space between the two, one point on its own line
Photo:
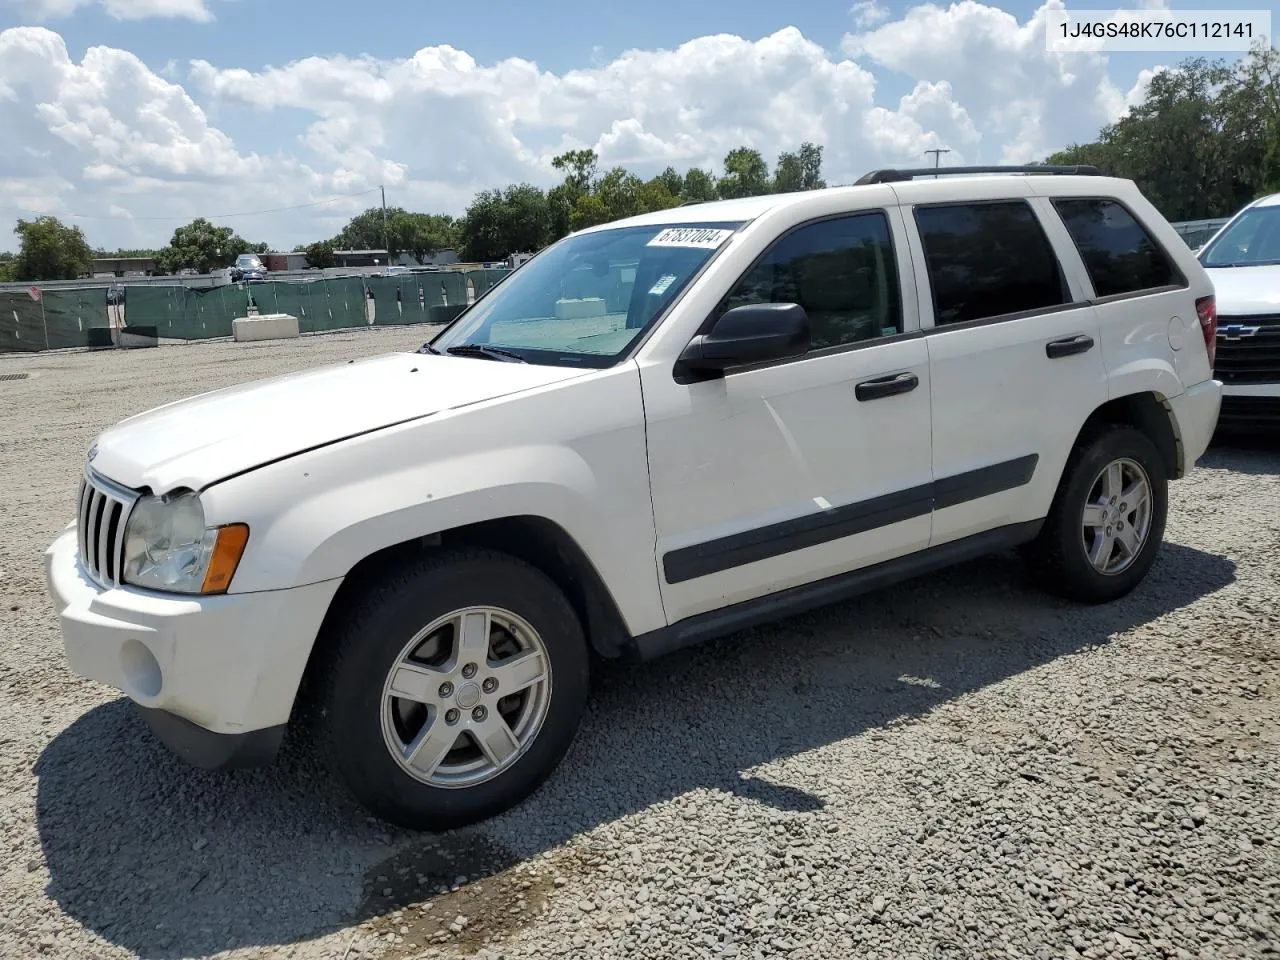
x=1271 y=200
x=749 y=208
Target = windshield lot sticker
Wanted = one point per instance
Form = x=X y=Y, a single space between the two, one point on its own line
x=659 y=288
x=700 y=237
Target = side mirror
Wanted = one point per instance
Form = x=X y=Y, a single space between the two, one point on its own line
x=750 y=334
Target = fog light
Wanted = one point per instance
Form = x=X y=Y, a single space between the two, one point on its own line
x=141 y=670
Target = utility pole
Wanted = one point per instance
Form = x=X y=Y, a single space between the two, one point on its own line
x=386 y=244
x=937 y=157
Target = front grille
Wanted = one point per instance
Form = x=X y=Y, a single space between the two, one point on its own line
x=100 y=521
x=1248 y=349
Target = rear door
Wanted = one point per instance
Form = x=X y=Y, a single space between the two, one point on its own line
x=1015 y=363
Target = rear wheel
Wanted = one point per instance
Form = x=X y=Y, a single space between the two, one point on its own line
x=453 y=689
x=1108 y=517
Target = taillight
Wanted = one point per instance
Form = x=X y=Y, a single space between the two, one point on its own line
x=1207 y=311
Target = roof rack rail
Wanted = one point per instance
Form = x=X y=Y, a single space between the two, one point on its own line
x=898 y=176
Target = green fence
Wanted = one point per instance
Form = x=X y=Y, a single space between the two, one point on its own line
x=21 y=323
x=67 y=318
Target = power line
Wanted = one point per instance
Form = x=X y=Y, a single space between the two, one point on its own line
x=215 y=216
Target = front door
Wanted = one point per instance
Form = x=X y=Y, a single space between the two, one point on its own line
x=778 y=475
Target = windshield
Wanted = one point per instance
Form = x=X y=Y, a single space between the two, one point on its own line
x=584 y=300
x=1252 y=239
x=248 y=260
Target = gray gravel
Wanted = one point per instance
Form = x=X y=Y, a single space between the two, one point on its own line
x=959 y=767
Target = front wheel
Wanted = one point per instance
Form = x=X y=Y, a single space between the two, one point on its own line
x=1107 y=520
x=453 y=689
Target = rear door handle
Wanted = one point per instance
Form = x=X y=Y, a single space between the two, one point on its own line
x=1068 y=348
x=886 y=386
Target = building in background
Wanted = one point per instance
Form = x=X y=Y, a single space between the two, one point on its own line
x=122 y=267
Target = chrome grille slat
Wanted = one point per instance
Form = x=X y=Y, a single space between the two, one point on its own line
x=103 y=513
x=1252 y=358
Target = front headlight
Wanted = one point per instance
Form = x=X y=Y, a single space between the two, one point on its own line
x=168 y=547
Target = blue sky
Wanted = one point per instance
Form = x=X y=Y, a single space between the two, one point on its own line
x=125 y=114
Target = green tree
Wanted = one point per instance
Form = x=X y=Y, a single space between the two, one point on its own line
x=1203 y=142
x=699 y=186
x=801 y=170
x=202 y=247
x=50 y=250
x=419 y=234
x=745 y=174
x=365 y=230
x=579 y=167
x=502 y=222
x=8 y=267
x=671 y=179
x=320 y=254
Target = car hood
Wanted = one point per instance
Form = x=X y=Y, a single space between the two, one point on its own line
x=1246 y=291
x=195 y=442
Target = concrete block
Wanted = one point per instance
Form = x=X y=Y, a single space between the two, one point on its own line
x=266 y=326
x=579 y=309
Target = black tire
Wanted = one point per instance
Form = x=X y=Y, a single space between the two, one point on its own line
x=363 y=642
x=1057 y=558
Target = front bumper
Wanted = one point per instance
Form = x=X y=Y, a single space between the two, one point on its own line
x=216 y=676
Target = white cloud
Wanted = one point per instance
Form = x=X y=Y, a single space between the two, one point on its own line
x=1031 y=100
x=108 y=133
x=39 y=11
x=868 y=13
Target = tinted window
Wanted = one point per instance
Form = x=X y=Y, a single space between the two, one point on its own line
x=843 y=273
x=1119 y=254
x=987 y=260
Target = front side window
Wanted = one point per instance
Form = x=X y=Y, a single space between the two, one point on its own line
x=1118 y=253
x=988 y=260
x=841 y=271
x=1251 y=240
x=586 y=299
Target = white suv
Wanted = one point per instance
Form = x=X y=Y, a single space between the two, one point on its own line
x=1243 y=263
x=656 y=431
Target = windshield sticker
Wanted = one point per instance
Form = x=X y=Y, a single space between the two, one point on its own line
x=659 y=288
x=703 y=238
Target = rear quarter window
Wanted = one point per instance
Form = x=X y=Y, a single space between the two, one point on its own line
x=1119 y=254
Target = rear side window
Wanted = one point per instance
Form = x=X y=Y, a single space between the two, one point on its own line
x=1119 y=254
x=987 y=260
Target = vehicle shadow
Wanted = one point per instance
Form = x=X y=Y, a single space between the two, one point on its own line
x=167 y=861
x=1240 y=452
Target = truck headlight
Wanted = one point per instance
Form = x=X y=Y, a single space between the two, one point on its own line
x=168 y=547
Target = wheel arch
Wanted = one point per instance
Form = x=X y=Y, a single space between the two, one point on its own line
x=540 y=542
x=1150 y=412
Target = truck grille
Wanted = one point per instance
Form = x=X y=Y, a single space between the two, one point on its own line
x=1248 y=349
x=100 y=521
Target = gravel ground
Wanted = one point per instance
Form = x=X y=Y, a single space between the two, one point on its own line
x=960 y=767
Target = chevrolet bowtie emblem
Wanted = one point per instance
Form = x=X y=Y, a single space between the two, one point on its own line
x=1237 y=331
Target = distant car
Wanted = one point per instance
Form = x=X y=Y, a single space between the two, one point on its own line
x=1243 y=262
x=248 y=268
x=395 y=271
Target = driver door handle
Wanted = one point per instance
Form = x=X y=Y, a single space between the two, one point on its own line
x=886 y=386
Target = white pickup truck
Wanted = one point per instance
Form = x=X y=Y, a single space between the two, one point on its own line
x=656 y=431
